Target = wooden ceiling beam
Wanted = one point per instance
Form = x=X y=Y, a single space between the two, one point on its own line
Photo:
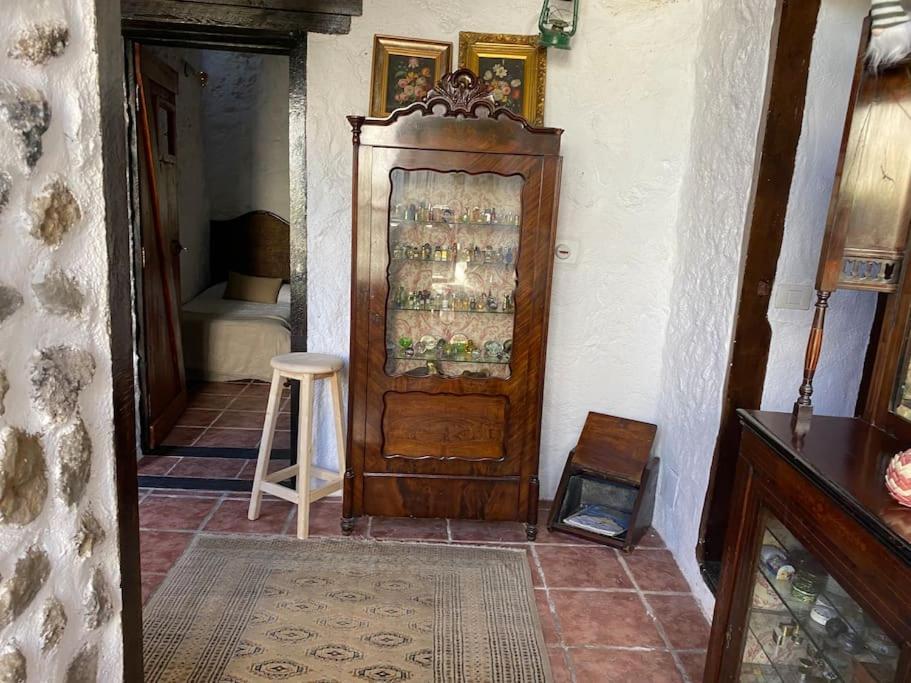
x=177 y=17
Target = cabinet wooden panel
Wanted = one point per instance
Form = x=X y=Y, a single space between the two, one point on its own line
x=454 y=219
x=466 y=427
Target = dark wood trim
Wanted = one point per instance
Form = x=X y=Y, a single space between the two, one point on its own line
x=162 y=15
x=877 y=332
x=210 y=452
x=792 y=44
x=297 y=144
x=120 y=274
x=343 y=7
x=147 y=481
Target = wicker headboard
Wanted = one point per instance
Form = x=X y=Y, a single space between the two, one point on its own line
x=257 y=243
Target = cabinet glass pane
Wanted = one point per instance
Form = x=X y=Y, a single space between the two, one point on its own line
x=803 y=626
x=453 y=246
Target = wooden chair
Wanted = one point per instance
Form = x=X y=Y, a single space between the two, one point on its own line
x=306 y=368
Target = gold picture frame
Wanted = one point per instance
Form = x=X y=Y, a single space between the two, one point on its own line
x=404 y=69
x=515 y=67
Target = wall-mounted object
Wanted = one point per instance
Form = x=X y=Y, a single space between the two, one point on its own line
x=514 y=69
x=607 y=492
x=454 y=217
x=405 y=70
x=866 y=233
x=557 y=23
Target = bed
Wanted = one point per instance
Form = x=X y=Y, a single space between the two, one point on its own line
x=225 y=339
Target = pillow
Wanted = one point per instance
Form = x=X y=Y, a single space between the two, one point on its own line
x=260 y=290
x=284 y=294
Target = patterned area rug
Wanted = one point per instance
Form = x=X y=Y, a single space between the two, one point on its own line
x=236 y=609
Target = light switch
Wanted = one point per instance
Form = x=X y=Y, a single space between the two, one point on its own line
x=796 y=297
x=566 y=251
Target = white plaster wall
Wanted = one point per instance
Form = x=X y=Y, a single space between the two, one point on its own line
x=624 y=95
x=245 y=107
x=72 y=151
x=192 y=186
x=731 y=70
x=850 y=313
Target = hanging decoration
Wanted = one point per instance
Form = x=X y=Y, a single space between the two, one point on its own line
x=558 y=23
x=890 y=41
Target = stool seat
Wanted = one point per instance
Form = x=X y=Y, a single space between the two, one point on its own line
x=307 y=363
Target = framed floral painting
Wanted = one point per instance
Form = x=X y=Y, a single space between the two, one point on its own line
x=404 y=69
x=513 y=67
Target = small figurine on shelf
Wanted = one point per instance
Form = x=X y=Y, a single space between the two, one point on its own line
x=426 y=252
x=898 y=478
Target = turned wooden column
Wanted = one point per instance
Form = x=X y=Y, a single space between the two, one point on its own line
x=803 y=406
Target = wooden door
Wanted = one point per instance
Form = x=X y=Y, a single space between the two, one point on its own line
x=164 y=380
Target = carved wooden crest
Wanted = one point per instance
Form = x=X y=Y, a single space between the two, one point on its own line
x=461 y=92
x=457 y=94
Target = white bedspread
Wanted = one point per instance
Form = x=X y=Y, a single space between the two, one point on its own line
x=224 y=339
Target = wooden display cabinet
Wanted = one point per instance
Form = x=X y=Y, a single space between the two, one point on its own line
x=817 y=566
x=454 y=219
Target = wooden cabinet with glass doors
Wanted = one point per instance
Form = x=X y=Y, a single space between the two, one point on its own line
x=455 y=208
x=817 y=567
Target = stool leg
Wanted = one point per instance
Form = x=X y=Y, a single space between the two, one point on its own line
x=304 y=443
x=335 y=386
x=265 y=446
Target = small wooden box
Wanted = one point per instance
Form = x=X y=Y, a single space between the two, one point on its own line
x=611 y=465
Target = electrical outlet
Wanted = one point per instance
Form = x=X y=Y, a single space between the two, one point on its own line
x=795 y=297
x=566 y=251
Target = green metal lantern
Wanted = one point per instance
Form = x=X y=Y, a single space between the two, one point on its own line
x=558 y=23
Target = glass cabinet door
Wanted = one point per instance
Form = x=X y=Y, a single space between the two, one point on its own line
x=453 y=244
x=803 y=626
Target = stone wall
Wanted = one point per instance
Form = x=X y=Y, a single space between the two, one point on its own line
x=731 y=68
x=59 y=570
x=245 y=107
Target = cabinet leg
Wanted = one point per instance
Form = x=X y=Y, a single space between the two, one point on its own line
x=347 y=525
x=531 y=531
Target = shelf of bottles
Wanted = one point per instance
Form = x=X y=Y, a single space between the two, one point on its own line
x=453 y=243
x=804 y=627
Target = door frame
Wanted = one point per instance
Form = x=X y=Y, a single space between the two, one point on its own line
x=202 y=26
x=780 y=131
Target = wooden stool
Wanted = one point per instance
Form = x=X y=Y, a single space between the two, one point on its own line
x=305 y=368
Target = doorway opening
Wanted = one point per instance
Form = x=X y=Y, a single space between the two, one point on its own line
x=211 y=200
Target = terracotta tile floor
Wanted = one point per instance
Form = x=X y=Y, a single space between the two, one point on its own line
x=606 y=617
x=228 y=415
